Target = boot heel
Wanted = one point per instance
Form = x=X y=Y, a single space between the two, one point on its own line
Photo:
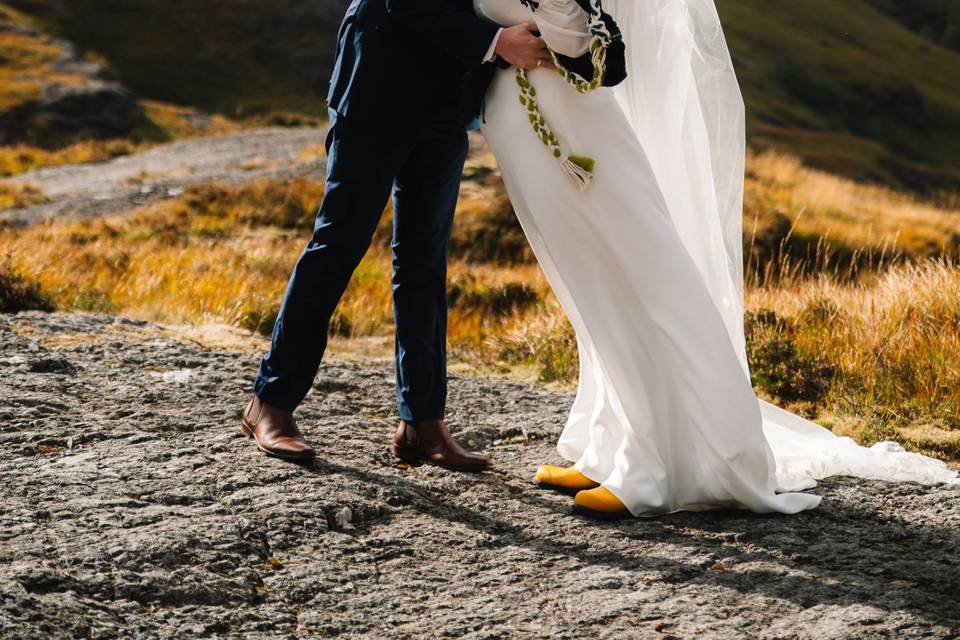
x=245 y=431
x=405 y=457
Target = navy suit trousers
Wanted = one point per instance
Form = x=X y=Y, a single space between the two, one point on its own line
x=421 y=165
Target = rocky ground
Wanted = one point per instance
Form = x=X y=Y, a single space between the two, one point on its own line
x=131 y=509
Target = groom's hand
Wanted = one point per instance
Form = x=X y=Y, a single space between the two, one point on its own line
x=521 y=46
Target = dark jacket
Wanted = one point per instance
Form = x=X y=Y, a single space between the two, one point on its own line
x=403 y=61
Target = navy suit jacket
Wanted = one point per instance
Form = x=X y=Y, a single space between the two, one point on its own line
x=400 y=62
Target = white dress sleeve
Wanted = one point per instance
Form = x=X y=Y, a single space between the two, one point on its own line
x=563 y=26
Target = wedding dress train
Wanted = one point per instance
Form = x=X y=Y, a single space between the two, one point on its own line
x=643 y=264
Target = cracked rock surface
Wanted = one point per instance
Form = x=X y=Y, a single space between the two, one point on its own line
x=132 y=509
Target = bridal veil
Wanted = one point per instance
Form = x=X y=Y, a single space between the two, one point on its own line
x=683 y=101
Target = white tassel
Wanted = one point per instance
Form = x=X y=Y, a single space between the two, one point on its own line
x=580 y=176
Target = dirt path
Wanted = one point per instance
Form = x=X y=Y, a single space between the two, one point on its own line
x=124 y=183
x=130 y=509
x=162 y=172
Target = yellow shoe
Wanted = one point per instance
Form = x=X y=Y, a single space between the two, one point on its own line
x=599 y=503
x=565 y=480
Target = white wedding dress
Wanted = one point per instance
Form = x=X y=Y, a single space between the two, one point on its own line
x=645 y=262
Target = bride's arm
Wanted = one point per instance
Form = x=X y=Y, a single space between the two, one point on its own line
x=563 y=25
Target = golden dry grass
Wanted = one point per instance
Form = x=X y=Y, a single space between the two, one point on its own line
x=801 y=221
x=17 y=159
x=881 y=356
x=177 y=121
x=25 y=64
x=222 y=254
x=206 y=257
x=13 y=196
x=873 y=351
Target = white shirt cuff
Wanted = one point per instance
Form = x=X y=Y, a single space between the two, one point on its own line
x=492 y=51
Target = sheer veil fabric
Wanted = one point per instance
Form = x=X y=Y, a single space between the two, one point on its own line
x=683 y=101
x=646 y=263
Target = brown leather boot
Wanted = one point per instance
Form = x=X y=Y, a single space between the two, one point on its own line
x=429 y=442
x=275 y=432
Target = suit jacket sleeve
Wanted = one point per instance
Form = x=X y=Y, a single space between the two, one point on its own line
x=450 y=25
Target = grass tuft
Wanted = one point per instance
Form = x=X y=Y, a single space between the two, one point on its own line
x=17 y=195
x=19 y=294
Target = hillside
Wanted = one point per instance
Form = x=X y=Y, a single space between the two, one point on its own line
x=61 y=105
x=864 y=88
x=849 y=89
x=51 y=94
x=936 y=20
x=237 y=58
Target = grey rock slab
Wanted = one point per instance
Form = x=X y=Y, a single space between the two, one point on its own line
x=131 y=508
